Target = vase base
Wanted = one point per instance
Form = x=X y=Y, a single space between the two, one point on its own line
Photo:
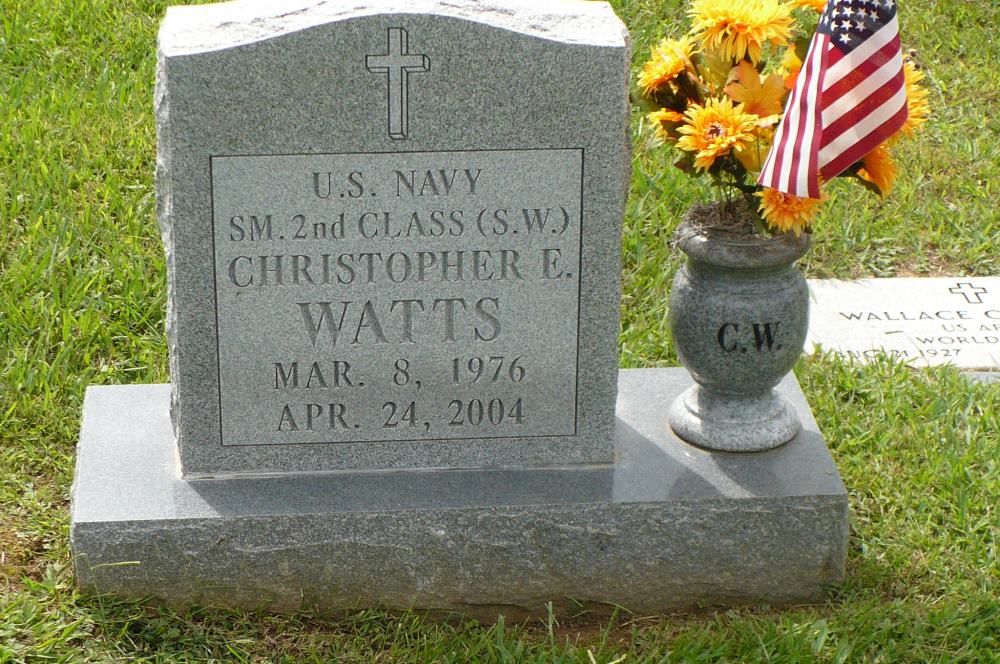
x=733 y=423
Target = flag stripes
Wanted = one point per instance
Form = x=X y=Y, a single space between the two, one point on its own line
x=849 y=97
x=799 y=120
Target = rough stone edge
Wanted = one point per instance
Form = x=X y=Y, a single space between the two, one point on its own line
x=189 y=30
x=165 y=220
x=676 y=589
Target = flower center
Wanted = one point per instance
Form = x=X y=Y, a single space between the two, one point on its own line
x=715 y=130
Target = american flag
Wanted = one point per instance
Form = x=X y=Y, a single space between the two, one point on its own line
x=849 y=97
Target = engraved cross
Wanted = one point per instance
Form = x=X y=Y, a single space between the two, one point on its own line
x=397 y=65
x=968 y=291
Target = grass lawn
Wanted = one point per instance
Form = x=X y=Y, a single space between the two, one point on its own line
x=82 y=302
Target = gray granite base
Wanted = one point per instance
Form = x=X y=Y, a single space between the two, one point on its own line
x=733 y=423
x=669 y=526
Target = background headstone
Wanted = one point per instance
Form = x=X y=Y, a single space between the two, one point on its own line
x=921 y=321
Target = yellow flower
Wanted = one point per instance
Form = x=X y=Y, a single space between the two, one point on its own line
x=712 y=130
x=737 y=28
x=665 y=123
x=917 y=105
x=817 y=5
x=752 y=156
x=668 y=59
x=761 y=99
x=792 y=65
x=880 y=169
x=785 y=212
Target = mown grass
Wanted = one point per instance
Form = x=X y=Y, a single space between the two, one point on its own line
x=82 y=302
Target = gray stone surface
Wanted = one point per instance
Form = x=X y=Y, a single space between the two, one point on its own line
x=359 y=142
x=920 y=321
x=666 y=526
x=733 y=423
x=739 y=312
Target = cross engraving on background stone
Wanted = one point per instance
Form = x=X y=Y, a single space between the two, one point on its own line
x=397 y=65
x=972 y=295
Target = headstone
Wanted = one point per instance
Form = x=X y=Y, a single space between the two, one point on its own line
x=392 y=243
x=920 y=321
x=393 y=236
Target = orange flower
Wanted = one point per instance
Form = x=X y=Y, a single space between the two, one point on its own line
x=880 y=169
x=738 y=28
x=752 y=156
x=817 y=5
x=792 y=65
x=665 y=123
x=917 y=105
x=761 y=99
x=714 y=129
x=785 y=212
x=668 y=59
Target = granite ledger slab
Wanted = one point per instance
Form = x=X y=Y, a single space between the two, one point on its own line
x=393 y=232
x=668 y=526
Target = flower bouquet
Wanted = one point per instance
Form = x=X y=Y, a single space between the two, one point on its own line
x=768 y=114
x=718 y=94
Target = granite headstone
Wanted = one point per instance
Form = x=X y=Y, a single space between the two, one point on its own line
x=393 y=235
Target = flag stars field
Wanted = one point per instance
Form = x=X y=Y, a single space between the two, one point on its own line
x=849 y=99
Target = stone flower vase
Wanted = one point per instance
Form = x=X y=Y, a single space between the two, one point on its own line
x=739 y=311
